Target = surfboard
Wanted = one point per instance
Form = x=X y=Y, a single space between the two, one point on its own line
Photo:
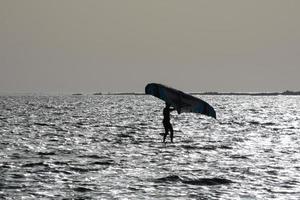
x=181 y=101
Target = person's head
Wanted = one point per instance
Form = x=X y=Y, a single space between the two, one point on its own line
x=167 y=105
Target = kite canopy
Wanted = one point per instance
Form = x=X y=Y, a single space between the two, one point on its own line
x=181 y=101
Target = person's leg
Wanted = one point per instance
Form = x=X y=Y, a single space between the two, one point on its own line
x=166 y=132
x=171 y=132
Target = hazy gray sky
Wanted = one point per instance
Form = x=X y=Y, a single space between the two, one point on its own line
x=66 y=46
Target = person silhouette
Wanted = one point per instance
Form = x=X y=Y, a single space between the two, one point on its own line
x=166 y=122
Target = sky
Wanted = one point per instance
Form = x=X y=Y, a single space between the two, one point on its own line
x=87 y=46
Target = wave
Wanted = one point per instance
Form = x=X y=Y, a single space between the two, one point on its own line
x=194 y=181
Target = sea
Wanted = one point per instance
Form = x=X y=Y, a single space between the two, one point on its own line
x=110 y=147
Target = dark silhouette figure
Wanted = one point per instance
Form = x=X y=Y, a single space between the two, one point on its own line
x=166 y=122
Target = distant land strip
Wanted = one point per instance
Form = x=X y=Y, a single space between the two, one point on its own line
x=210 y=93
x=251 y=94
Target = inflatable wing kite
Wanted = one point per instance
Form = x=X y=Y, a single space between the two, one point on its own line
x=181 y=101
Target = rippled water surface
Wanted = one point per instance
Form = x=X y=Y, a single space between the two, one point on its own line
x=109 y=147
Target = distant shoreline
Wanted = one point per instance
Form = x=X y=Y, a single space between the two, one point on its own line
x=219 y=93
x=250 y=94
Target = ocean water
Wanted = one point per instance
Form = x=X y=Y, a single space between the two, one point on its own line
x=110 y=147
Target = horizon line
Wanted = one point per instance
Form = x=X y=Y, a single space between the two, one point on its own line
x=286 y=92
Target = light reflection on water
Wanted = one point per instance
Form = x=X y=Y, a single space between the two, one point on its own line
x=104 y=147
